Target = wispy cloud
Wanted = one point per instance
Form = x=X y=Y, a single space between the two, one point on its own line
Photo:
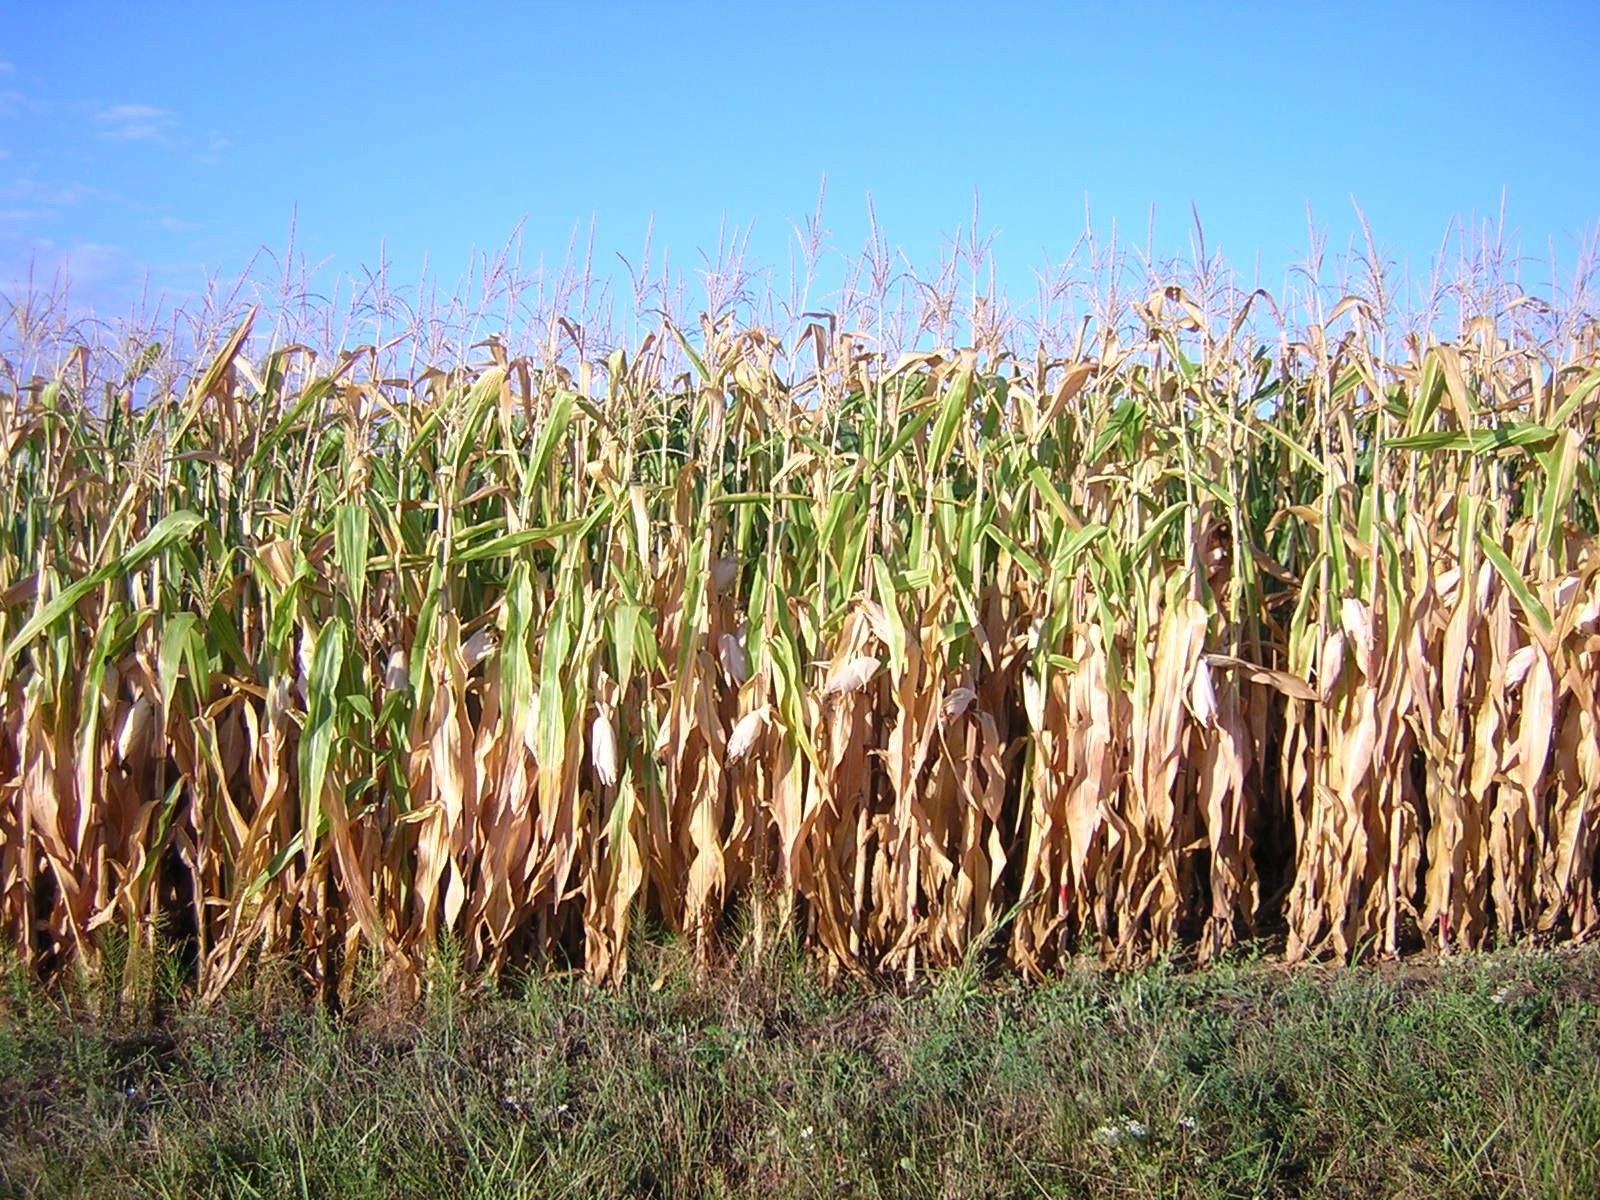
x=91 y=270
x=52 y=195
x=7 y=68
x=158 y=127
x=210 y=148
x=91 y=263
x=134 y=123
x=93 y=278
x=15 y=103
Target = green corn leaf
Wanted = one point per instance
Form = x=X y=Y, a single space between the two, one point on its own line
x=350 y=545
x=1531 y=606
x=166 y=533
x=321 y=727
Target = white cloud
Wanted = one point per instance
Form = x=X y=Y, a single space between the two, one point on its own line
x=135 y=123
x=92 y=278
x=89 y=271
x=50 y=195
x=157 y=126
x=133 y=112
x=210 y=148
x=7 y=68
x=91 y=263
x=5 y=154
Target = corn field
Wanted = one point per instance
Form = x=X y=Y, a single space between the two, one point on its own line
x=1142 y=643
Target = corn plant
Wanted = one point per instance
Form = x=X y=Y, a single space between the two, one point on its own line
x=1141 y=644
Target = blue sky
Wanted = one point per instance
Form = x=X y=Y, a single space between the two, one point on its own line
x=162 y=144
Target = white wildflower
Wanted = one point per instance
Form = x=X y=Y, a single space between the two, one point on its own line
x=1114 y=1133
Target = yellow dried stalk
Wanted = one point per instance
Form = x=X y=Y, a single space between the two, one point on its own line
x=894 y=654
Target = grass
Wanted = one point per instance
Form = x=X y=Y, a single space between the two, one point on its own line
x=1470 y=1077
